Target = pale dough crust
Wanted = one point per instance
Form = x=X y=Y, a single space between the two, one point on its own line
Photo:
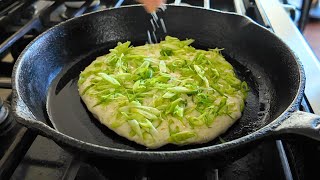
x=106 y=115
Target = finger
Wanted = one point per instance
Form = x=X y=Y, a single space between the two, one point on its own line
x=151 y=5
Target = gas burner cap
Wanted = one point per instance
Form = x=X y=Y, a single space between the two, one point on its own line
x=77 y=5
x=72 y=7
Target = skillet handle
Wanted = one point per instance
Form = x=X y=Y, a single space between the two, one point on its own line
x=301 y=123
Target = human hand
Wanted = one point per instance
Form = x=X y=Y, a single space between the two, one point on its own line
x=152 y=5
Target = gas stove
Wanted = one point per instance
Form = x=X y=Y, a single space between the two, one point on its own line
x=26 y=155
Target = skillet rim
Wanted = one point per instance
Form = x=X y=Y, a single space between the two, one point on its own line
x=31 y=122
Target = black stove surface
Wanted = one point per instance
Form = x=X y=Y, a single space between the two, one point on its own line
x=46 y=160
x=25 y=155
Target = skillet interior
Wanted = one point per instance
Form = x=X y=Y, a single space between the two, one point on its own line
x=50 y=66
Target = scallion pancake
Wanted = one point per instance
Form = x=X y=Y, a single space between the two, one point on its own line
x=165 y=93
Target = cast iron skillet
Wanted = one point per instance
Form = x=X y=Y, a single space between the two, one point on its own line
x=46 y=97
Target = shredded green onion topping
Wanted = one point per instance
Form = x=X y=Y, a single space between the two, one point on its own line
x=170 y=81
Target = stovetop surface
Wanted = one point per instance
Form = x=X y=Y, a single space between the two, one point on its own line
x=46 y=160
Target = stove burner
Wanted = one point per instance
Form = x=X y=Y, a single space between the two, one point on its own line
x=3 y=111
x=74 y=9
x=5 y=119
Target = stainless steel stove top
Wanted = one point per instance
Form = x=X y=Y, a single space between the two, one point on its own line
x=276 y=17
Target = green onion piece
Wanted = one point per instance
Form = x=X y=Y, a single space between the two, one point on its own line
x=180 y=89
x=145 y=114
x=117 y=123
x=166 y=51
x=181 y=137
x=87 y=88
x=147 y=137
x=103 y=100
x=187 y=42
x=109 y=79
x=168 y=95
x=136 y=86
x=145 y=64
x=244 y=87
x=178 y=111
x=200 y=73
x=132 y=133
x=222 y=140
x=146 y=124
x=150 y=109
x=135 y=127
x=178 y=63
x=195 y=121
x=242 y=106
x=121 y=48
x=173 y=130
x=162 y=67
x=148 y=74
x=210 y=119
x=199 y=57
x=98 y=64
x=142 y=68
x=215 y=74
x=173 y=105
x=135 y=104
x=223 y=101
x=123 y=76
x=232 y=107
x=157 y=123
x=125 y=115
